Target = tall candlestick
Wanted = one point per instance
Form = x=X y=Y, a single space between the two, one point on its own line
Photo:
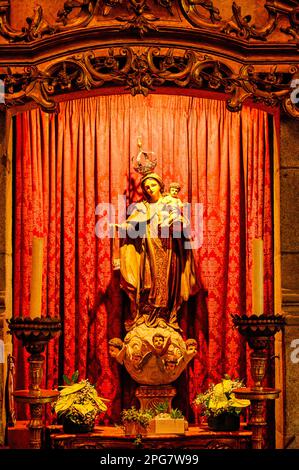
x=36 y=277
x=257 y=276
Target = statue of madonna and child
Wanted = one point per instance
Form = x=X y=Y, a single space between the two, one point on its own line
x=158 y=274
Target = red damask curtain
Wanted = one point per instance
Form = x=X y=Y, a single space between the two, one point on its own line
x=66 y=164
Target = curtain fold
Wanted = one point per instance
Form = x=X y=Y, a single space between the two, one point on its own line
x=68 y=164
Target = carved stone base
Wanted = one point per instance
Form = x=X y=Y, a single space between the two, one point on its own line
x=150 y=395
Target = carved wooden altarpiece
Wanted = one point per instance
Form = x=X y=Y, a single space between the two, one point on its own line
x=139 y=46
x=241 y=50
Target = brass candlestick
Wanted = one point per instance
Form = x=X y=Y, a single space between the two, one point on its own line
x=35 y=335
x=258 y=331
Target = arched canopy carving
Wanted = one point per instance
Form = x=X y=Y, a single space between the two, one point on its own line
x=141 y=45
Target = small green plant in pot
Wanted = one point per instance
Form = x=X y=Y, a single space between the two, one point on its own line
x=135 y=422
x=78 y=405
x=167 y=420
x=220 y=405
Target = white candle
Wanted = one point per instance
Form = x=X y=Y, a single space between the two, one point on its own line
x=257 y=276
x=36 y=277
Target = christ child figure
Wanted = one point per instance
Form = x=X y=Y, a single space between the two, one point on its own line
x=173 y=205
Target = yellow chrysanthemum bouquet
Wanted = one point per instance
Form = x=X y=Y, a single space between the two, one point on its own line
x=78 y=404
x=220 y=398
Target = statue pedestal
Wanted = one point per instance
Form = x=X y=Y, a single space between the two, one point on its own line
x=155 y=356
x=150 y=395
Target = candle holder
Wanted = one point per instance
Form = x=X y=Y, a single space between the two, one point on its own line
x=259 y=331
x=35 y=334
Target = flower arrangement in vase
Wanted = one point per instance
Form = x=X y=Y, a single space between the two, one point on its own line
x=78 y=405
x=220 y=405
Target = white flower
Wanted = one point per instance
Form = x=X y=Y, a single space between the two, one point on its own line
x=220 y=398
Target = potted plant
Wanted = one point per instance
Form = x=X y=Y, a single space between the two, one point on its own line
x=78 y=405
x=221 y=406
x=167 y=421
x=157 y=420
x=135 y=422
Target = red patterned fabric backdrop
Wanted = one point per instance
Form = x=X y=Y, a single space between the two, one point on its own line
x=67 y=164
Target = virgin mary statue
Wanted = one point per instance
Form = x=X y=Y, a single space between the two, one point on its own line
x=156 y=264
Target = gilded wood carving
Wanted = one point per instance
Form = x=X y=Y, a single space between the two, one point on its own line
x=38 y=26
x=140 y=17
x=251 y=65
x=136 y=15
x=143 y=71
x=238 y=26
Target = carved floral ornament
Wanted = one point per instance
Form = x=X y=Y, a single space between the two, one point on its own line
x=140 y=16
x=141 y=72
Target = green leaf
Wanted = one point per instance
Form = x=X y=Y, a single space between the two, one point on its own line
x=75 y=376
x=66 y=379
x=161 y=407
x=176 y=414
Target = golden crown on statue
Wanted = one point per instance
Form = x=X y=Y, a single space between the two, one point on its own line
x=143 y=163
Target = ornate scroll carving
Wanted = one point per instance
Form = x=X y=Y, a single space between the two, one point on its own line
x=289 y=9
x=31 y=84
x=109 y=4
x=5 y=29
x=138 y=16
x=270 y=88
x=238 y=26
x=141 y=72
x=136 y=6
x=197 y=17
x=37 y=26
x=166 y=4
x=141 y=20
x=86 y=10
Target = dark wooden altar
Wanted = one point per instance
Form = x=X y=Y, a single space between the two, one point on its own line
x=111 y=437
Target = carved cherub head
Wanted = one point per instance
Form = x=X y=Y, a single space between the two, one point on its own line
x=115 y=345
x=170 y=363
x=158 y=341
x=191 y=346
